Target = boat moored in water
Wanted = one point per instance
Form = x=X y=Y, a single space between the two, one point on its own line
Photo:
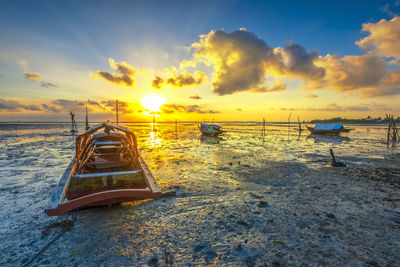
x=106 y=169
x=328 y=129
x=210 y=129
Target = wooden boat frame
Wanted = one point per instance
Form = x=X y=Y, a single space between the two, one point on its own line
x=58 y=203
x=335 y=132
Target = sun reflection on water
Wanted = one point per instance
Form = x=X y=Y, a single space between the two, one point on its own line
x=153 y=139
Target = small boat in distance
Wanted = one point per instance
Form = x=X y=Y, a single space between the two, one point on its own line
x=210 y=129
x=328 y=129
x=107 y=169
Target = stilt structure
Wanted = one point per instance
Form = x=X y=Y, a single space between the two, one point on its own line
x=393 y=135
x=74 y=129
x=300 y=129
x=263 y=129
x=87 y=120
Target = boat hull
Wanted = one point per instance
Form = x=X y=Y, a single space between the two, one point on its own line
x=331 y=132
x=106 y=185
x=103 y=198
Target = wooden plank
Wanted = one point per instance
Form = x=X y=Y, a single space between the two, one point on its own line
x=59 y=192
x=149 y=176
x=87 y=175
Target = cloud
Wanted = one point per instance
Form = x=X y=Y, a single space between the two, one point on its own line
x=290 y=109
x=51 y=108
x=383 y=38
x=125 y=76
x=239 y=109
x=296 y=62
x=94 y=103
x=22 y=63
x=123 y=106
x=32 y=76
x=157 y=82
x=12 y=105
x=363 y=75
x=239 y=59
x=277 y=86
x=335 y=108
x=186 y=79
x=37 y=78
x=242 y=61
x=196 y=97
x=171 y=108
x=48 y=85
x=310 y=96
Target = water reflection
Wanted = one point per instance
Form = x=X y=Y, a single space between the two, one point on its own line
x=153 y=139
x=335 y=139
x=210 y=139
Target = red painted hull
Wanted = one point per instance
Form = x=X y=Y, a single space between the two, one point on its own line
x=103 y=198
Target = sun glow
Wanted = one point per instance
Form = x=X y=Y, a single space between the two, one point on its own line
x=153 y=102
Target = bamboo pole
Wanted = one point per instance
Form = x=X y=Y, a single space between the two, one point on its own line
x=116 y=108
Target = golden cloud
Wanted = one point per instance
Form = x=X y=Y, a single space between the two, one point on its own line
x=363 y=75
x=32 y=76
x=180 y=80
x=384 y=37
x=125 y=77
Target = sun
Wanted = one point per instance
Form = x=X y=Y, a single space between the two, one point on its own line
x=153 y=102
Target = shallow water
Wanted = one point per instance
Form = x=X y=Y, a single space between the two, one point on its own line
x=206 y=172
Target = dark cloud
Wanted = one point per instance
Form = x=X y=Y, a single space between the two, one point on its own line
x=94 y=103
x=239 y=59
x=68 y=103
x=124 y=77
x=171 y=108
x=48 y=85
x=12 y=105
x=51 y=108
x=32 y=76
x=296 y=62
x=123 y=107
x=186 y=79
x=157 y=82
x=197 y=97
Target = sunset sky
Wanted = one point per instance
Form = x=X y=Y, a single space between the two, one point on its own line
x=199 y=60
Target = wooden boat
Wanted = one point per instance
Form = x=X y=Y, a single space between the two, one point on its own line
x=210 y=129
x=328 y=129
x=107 y=169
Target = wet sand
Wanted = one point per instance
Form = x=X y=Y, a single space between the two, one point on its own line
x=232 y=201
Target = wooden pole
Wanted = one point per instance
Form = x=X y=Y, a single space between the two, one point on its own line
x=300 y=129
x=87 y=120
x=333 y=156
x=116 y=109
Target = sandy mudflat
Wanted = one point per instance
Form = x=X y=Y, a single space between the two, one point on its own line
x=263 y=211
